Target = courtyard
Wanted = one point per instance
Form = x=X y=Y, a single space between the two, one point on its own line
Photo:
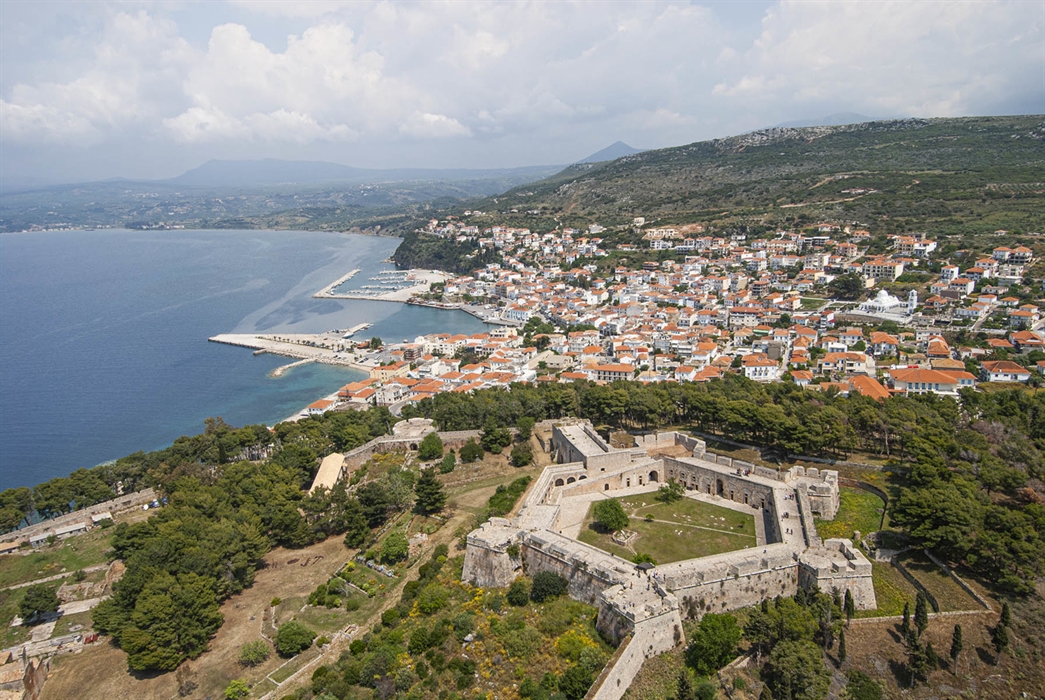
x=669 y=532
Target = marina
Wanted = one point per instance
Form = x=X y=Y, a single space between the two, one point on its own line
x=393 y=285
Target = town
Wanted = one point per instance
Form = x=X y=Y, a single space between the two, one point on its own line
x=774 y=308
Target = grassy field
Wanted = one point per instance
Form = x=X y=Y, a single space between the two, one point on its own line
x=946 y=590
x=891 y=590
x=708 y=529
x=9 y=635
x=66 y=555
x=859 y=510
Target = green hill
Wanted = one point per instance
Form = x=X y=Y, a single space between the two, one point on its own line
x=950 y=175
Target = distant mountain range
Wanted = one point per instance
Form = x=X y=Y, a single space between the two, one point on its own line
x=611 y=152
x=250 y=173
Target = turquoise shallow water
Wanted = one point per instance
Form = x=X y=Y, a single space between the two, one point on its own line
x=103 y=335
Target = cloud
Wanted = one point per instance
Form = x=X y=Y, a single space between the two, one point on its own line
x=427 y=125
x=915 y=58
x=505 y=82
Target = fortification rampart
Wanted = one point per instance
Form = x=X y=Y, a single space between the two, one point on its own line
x=647 y=603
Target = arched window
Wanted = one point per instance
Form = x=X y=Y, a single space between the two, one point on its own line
x=570 y=480
x=558 y=482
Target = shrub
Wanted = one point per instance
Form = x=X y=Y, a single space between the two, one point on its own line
x=431 y=447
x=547 y=585
x=357 y=647
x=432 y=598
x=395 y=548
x=293 y=638
x=254 y=653
x=522 y=643
x=519 y=592
x=471 y=452
x=575 y=682
x=571 y=644
x=463 y=624
x=237 y=689
x=448 y=464
x=39 y=600
x=522 y=455
x=705 y=690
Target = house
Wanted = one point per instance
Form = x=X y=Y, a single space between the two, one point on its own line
x=609 y=373
x=317 y=407
x=923 y=381
x=883 y=344
x=760 y=368
x=847 y=362
x=870 y=387
x=1026 y=341
x=801 y=377
x=1003 y=371
x=882 y=269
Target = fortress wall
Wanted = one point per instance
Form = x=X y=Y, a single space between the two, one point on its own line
x=651 y=637
x=725 y=591
x=696 y=477
x=838 y=565
x=486 y=559
x=587 y=570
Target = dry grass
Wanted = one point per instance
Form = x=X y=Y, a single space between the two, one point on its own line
x=101 y=671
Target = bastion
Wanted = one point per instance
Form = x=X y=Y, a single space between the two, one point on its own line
x=642 y=607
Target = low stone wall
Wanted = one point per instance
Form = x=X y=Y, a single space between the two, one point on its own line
x=130 y=501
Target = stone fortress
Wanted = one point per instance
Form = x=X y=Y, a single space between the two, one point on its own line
x=641 y=607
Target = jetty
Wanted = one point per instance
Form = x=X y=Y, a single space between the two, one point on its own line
x=280 y=371
x=327 y=292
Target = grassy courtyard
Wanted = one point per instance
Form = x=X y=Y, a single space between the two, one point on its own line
x=858 y=510
x=686 y=529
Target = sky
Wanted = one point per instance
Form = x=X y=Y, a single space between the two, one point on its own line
x=94 y=90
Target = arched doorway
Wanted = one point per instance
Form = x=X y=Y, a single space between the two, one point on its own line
x=652 y=477
x=719 y=488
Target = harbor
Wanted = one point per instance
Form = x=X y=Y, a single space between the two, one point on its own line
x=389 y=285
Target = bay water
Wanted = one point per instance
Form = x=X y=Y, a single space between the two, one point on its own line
x=103 y=335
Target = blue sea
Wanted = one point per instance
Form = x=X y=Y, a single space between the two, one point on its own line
x=103 y=335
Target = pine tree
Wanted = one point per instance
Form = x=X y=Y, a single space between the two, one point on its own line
x=430 y=495
x=921 y=612
x=1006 y=615
x=684 y=690
x=916 y=659
x=931 y=659
x=956 y=646
x=1000 y=640
x=841 y=647
x=905 y=626
x=766 y=693
x=850 y=606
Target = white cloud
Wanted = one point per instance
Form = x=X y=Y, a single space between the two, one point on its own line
x=510 y=82
x=917 y=58
x=425 y=126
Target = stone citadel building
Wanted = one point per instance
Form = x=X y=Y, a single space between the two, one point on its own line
x=644 y=606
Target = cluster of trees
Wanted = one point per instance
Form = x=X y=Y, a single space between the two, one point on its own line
x=222 y=517
x=792 y=634
x=417 y=649
x=295 y=445
x=973 y=466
